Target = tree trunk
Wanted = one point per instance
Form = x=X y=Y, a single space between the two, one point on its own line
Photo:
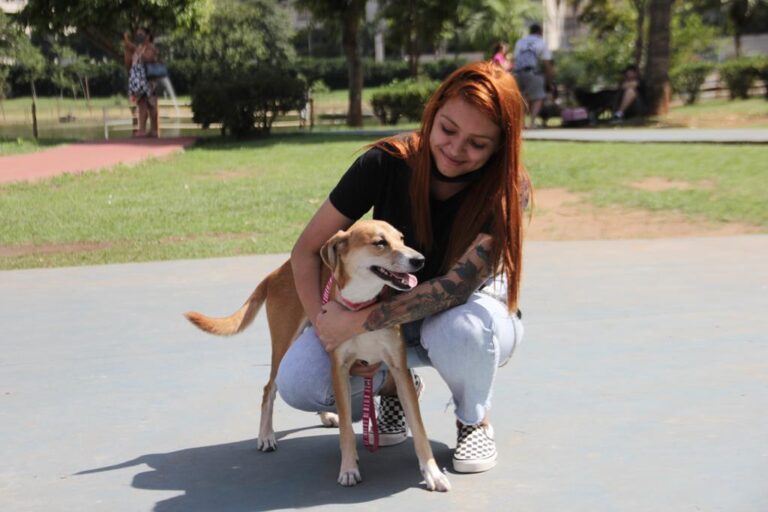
x=350 y=41
x=640 y=7
x=737 y=43
x=658 y=56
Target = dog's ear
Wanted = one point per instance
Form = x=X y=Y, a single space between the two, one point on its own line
x=330 y=250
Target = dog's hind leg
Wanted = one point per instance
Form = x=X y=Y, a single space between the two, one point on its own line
x=433 y=477
x=266 y=441
x=283 y=328
x=329 y=419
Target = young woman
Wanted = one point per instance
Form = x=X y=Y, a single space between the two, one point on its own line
x=143 y=91
x=456 y=189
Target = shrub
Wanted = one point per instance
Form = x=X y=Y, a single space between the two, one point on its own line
x=440 y=69
x=739 y=75
x=249 y=103
x=333 y=71
x=687 y=79
x=762 y=72
x=404 y=98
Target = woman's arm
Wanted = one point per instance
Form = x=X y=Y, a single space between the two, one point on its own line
x=151 y=54
x=305 y=256
x=454 y=288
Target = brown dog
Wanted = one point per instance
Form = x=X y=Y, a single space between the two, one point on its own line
x=363 y=260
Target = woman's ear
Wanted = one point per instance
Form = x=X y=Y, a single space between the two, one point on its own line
x=330 y=251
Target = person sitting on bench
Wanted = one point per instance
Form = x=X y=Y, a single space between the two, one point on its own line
x=631 y=95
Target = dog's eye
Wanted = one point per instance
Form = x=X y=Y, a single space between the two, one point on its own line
x=381 y=243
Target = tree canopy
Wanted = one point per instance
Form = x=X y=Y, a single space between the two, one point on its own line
x=103 y=21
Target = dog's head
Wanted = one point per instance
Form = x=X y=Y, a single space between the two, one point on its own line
x=369 y=255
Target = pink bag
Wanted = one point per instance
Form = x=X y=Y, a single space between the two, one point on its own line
x=574 y=115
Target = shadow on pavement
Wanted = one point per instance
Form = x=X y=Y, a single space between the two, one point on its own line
x=236 y=477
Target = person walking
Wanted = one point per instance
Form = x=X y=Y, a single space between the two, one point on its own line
x=456 y=189
x=534 y=71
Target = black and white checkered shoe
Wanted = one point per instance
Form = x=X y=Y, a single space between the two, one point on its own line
x=475 y=449
x=391 y=417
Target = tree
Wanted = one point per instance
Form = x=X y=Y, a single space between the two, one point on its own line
x=350 y=14
x=103 y=21
x=488 y=21
x=416 y=23
x=238 y=36
x=658 y=56
x=606 y=17
x=739 y=13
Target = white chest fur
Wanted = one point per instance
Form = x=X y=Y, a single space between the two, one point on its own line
x=373 y=347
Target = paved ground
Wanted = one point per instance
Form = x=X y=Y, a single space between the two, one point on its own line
x=642 y=385
x=727 y=136
x=86 y=156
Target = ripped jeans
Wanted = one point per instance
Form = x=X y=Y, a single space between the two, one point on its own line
x=465 y=344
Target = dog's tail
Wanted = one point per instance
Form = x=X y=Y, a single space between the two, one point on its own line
x=237 y=321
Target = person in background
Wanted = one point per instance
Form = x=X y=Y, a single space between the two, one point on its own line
x=501 y=56
x=533 y=71
x=143 y=92
x=631 y=98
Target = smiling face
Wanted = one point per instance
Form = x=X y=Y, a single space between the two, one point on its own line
x=462 y=138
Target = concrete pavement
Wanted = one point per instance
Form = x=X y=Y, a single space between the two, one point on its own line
x=675 y=135
x=642 y=385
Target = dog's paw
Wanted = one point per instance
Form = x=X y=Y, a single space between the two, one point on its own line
x=329 y=419
x=350 y=477
x=435 y=479
x=267 y=443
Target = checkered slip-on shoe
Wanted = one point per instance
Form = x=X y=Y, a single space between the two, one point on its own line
x=391 y=417
x=475 y=449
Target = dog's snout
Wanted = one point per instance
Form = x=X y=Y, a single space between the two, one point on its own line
x=417 y=262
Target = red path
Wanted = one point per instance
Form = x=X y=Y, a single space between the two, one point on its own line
x=86 y=156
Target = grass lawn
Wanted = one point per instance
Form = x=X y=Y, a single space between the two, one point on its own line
x=720 y=113
x=227 y=198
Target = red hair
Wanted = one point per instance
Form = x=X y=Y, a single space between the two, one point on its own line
x=497 y=196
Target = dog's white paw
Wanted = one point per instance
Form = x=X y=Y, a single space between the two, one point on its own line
x=267 y=443
x=350 y=477
x=329 y=419
x=435 y=479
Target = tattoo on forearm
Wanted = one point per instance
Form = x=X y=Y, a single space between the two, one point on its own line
x=435 y=295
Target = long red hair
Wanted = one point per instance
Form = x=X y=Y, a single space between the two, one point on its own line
x=498 y=194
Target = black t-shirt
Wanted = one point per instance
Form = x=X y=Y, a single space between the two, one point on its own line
x=380 y=181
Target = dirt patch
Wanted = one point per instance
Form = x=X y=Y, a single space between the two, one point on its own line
x=12 y=251
x=230 y=175
x=658 y=184
x=563 y=215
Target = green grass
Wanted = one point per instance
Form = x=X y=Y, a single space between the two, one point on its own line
x=227 y=198
x=720 y=113
x=730 y=182
x=18 y=146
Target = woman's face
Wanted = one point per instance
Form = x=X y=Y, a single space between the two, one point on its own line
x=462 y=138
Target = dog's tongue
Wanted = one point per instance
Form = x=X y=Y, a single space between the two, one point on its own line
x=411 y=280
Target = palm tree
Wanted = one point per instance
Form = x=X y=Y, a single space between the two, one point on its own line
x=350 y=13
x=658 y=55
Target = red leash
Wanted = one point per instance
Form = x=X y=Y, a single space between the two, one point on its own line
x=369 y=406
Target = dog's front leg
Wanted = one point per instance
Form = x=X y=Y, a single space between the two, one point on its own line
x=349 y=474
x=433 y=477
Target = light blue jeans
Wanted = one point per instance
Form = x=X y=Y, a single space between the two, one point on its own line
x=465 y=344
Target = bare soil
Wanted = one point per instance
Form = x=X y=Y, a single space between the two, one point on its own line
x=562 y=215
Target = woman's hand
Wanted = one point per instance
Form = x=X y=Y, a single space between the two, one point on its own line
x=335 y=325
